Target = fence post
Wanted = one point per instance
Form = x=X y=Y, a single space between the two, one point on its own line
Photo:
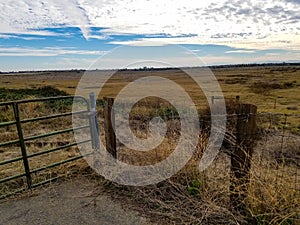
x=212 y=100
x=94 y=122
x=109 y=122
x=241 y=155
x=22 y=144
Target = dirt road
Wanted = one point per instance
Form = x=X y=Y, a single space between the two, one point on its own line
x=70 y=202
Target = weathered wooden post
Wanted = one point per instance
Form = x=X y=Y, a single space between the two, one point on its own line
x=241 y=155
x=109 y=122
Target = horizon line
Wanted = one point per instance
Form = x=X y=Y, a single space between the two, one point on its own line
x=145 y=68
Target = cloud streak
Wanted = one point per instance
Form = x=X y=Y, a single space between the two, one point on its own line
x=249 y=24
x=240 y=51
x=48 y=51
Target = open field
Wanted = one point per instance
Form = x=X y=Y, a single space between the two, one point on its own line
x=274 y=89
x=188 y=197
x=257 y=85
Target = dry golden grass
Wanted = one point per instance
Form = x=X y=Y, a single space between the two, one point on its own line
x=233 y=81
x=189 y=197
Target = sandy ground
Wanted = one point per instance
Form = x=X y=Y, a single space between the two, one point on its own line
x=71 y=202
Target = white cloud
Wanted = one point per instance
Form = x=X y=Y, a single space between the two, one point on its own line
x=61 y=63
x=227 y=59
x=26 y=16
x=240 y=51
x=273 y=54
x=144 y=42
x=259 y=24
x=68 y=63
x=48 y=51
x=7 y=36
x=273 y=42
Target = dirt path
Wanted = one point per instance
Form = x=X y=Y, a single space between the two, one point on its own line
x=70 y=202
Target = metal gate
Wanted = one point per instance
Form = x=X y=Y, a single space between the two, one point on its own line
x=91 y=115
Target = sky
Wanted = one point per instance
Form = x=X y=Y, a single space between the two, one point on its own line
x=73 y=34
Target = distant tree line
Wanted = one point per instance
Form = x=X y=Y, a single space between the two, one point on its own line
x=254 y=65
x=145 y=68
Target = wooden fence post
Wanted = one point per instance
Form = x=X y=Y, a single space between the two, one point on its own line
x=212 y=100
x=241 y=156
x=109 y=122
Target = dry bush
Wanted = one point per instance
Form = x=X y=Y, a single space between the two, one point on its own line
x=264 y=87
x=191 y=197
x=273 y=196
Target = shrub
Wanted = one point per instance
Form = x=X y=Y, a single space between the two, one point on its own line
x=18 y=94
x=263 y=87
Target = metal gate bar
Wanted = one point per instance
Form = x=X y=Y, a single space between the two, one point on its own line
x=93 y=125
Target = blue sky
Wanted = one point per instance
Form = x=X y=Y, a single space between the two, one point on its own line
x=73 y=34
